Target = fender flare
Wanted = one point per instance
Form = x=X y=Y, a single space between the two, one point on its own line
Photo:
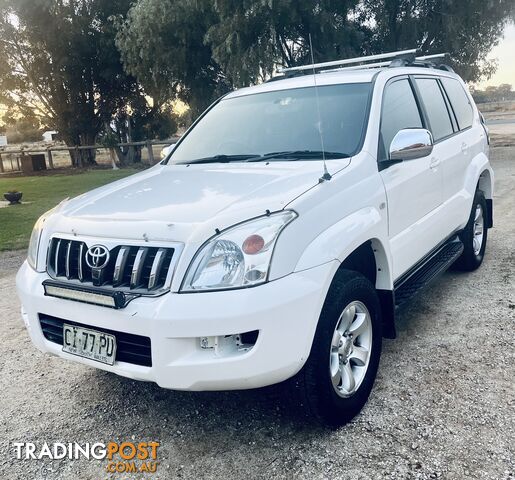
x=481 y=175
x=339 y=240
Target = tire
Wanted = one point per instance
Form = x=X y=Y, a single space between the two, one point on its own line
x=331 y=405
x=473 y=241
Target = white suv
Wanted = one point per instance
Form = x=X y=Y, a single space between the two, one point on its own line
x=274 y=242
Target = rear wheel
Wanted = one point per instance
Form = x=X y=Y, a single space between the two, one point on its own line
x=474 y=236
x=338 y=376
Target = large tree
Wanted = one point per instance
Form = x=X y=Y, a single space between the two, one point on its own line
x=162 y=44
x=466 y=30
x=254 y=37
x=197 y=49
x=62 y=65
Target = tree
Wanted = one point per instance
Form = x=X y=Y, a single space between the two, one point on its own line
x=466 y=30
x=253 y=37
x=62 y=65
x=138 y=121
x=23 y=130
x=501 y=93
x=197 y=50
x=162 y=44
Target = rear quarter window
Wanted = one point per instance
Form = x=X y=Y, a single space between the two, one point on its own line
x=438 y=116
x=460 y=102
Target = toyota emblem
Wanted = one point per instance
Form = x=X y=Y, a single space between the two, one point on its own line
x=97 y=256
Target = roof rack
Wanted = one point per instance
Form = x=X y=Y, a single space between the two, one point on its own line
x=401 y=58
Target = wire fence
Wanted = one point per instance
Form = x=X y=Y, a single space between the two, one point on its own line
x=50 y=157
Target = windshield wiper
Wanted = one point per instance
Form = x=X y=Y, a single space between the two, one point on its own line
x=298 y=155
x=222 y=158
x=252 y=157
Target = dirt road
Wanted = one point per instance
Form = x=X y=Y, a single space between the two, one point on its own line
x=443 y=405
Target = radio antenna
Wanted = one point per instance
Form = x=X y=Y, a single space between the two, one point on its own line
x=326 y=176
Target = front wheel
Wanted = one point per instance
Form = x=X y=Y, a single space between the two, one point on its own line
x=474 y=236
x=338 y=376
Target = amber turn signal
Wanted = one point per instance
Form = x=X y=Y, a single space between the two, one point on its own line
x=253 y=244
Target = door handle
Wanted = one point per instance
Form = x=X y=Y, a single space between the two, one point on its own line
x=434 y=163
x=464 y=148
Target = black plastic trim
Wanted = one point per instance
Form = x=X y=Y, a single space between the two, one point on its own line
x=490 y=208
x=426 y=270
x=387 y=302
x=131 y=348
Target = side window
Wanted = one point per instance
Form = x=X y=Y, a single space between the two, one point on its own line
x=459 y=101
x=436 y=109
x=399 y=111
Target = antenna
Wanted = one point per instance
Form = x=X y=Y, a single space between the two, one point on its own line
x=326 y=175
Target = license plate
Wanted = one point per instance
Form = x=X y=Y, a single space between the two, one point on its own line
x=87 y=343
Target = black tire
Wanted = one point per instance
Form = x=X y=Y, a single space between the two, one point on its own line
x=312 y=386
x=471 y=260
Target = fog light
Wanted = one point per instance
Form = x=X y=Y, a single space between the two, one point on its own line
x=229 y=345
x=207 y=342
x=254 y=275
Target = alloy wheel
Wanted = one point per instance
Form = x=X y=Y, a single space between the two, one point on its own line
x=351 y=346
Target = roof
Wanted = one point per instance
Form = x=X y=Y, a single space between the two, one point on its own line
x=364 y=75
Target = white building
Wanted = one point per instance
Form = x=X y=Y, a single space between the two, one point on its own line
x=3 y=140
x=49 y=136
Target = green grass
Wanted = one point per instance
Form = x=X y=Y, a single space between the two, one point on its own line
x=40 y=194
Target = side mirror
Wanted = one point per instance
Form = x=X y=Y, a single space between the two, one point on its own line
x=411 y=143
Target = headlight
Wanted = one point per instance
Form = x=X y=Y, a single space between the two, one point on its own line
x=32 y=254
x=35 y=236
x=237 y=257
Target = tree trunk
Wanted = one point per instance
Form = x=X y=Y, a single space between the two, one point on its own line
x=122 y=156
x=134 y=152
x=88 y=156
x=74 y=156
x=112 y=155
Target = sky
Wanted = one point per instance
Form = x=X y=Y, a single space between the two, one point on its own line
x=505 y=55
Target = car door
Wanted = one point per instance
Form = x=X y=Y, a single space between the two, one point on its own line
x=448 y=150
x=468 y=142
x=413 y=188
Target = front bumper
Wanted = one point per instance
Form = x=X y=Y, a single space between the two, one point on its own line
x=285 y=312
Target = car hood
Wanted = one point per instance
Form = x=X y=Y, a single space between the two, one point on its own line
x=181 y=198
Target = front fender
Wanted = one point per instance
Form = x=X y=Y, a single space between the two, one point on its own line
x=339 y=240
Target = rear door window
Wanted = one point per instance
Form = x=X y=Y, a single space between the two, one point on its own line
x=399 y=111
x=435 y=107
x=459 y=101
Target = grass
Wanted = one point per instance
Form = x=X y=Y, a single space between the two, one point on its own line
x=40 y=194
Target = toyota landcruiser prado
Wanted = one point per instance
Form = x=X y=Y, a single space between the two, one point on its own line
x=275 y=241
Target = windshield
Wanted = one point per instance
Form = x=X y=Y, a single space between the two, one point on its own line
x=283 y=122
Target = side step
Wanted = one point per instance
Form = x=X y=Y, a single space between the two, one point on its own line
x=426 y=271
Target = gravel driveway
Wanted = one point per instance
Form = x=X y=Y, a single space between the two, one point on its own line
x=443 y=405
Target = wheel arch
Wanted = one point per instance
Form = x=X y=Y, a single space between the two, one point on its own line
x=371 y=260
x=485 y=183
x=359 y=242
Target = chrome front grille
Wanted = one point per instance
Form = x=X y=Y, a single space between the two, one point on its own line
x=130 y=268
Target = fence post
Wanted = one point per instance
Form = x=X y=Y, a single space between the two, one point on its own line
x=1 y=164
x=151 y=159
x=50 y=159
x=78 y=159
